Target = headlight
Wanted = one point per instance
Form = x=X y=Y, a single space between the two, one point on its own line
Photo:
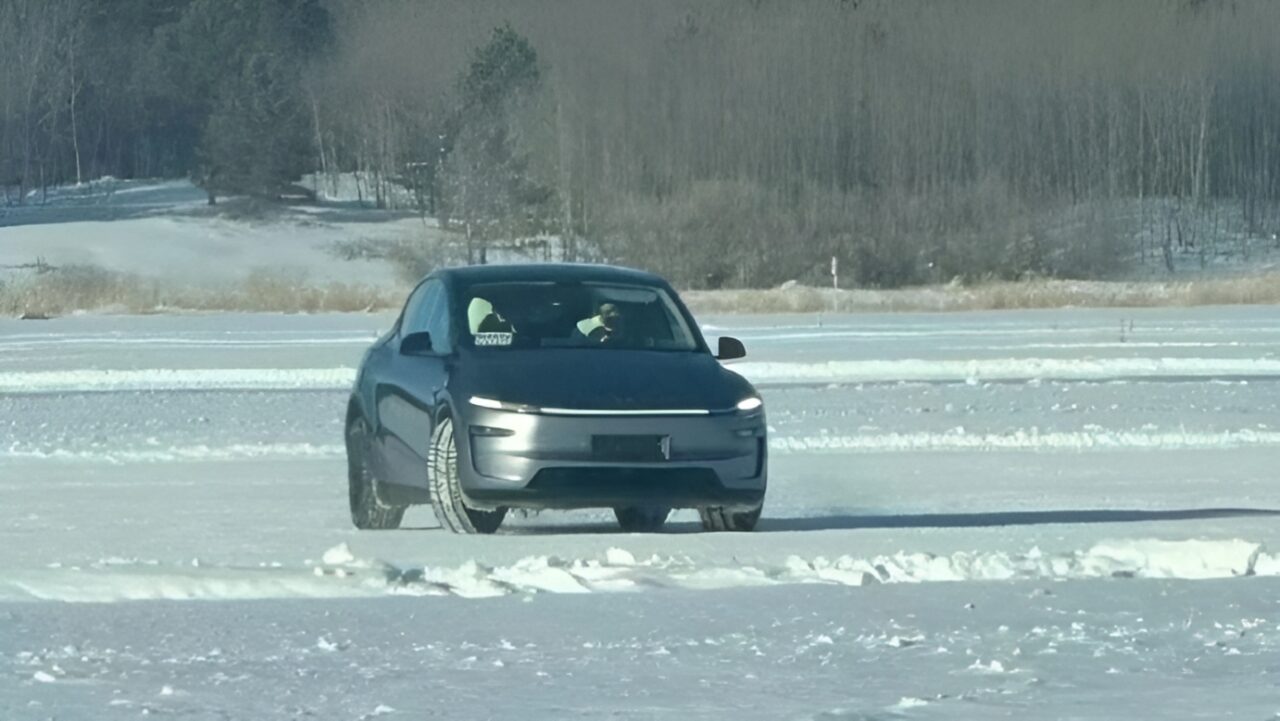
x=482 y=402
x=749 y=404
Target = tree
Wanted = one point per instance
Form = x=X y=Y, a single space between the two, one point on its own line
x=487 y=181
x=232 y=68
x=256 y=138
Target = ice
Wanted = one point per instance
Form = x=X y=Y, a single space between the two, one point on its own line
x=1090 y=525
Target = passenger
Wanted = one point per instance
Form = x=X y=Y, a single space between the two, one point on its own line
x=608 y=325
x=495 y=323
x=477 y=311
x=484 y=318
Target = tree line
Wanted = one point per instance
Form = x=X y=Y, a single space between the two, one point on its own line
x=722 y=142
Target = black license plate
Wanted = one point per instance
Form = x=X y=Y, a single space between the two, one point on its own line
x=643 y=449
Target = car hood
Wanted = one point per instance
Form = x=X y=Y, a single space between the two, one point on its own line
x=600 y=379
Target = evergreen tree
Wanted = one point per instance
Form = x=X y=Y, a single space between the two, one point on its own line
x=488 y=186
x=232 y=68
x=256 y=138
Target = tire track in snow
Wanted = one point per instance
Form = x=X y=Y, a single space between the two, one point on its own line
x=167 y=379
x=782 y=373
x=1026 y=440
x=1020 y=440
x=1007 y=369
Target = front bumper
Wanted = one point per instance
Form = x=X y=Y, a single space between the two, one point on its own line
x=527 y=460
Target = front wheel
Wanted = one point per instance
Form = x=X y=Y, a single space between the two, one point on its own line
x=367 y=512
x=641 y=519
x=446 y=488
x=722 y=519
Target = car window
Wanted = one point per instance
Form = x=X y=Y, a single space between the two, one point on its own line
x=422 y=304
x=573 y=315
x=438 y=324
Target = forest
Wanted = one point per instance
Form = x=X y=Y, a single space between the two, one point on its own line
x=725 y=143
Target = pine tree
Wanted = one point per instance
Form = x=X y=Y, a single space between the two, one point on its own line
x=256 y=138
x=231 y=68
x=488 y=186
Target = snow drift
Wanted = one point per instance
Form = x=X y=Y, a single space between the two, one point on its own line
x=340 y=573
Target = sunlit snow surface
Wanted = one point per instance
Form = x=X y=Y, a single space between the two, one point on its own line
x=165 y=229
x=993 y=515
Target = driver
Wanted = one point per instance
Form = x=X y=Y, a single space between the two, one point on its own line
x=608 y=324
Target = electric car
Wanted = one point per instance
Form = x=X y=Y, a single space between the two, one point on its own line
x=552 y=386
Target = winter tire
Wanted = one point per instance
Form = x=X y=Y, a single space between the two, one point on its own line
x=446 y=491
x=367 y=512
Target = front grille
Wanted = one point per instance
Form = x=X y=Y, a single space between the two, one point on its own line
x=604 y=480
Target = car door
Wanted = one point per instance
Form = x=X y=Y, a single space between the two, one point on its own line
x=408 y=390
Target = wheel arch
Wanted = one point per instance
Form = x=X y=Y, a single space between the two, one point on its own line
x=443 y=410
x=355 y=409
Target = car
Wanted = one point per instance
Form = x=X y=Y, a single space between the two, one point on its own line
x=552 y=386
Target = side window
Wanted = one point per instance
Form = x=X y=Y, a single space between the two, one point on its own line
x=438 y=325
x=421 y=306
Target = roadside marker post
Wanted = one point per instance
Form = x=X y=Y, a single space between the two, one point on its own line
x=835 y=282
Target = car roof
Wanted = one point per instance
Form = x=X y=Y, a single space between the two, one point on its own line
x=547 y=272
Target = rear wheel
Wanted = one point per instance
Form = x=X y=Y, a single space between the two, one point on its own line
x=641 y=519
x=722 y=519
x=446 y=489
x=367 y=512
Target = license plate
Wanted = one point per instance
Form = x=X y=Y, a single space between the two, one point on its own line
x=644 y=449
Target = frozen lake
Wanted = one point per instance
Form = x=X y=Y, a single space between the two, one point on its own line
x=1030 y=514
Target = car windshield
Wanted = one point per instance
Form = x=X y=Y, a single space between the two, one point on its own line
x=606 y=316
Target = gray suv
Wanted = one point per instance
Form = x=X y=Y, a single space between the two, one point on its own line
x=552 y=387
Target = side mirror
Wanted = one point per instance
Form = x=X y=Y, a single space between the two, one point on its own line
x=730 y=348
x=416 y=344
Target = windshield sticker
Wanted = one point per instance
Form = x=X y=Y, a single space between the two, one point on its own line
x=493 y=339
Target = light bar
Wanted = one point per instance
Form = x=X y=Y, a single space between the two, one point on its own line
x=641 y=412
x=497 y=405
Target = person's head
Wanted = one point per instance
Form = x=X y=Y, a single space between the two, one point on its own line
x=610 y=316
x=477 y=310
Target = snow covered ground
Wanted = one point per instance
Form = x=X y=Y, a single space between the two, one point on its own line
x=1049 y=514
x=165 y=229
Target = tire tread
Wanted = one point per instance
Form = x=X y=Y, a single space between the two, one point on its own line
x=446 y=491
x=368 y=513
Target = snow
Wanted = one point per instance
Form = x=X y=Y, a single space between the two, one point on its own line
x=156 y=379
x=1091 y=650
x=915 y=369
x=1085 y=527
x=760 y=373
x=341 y=575
x=165 y=229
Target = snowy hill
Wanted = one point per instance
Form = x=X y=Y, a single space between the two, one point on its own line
x=165 y=229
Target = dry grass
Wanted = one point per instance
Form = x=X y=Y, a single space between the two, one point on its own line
x=1259 y=289
x=74 y=288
